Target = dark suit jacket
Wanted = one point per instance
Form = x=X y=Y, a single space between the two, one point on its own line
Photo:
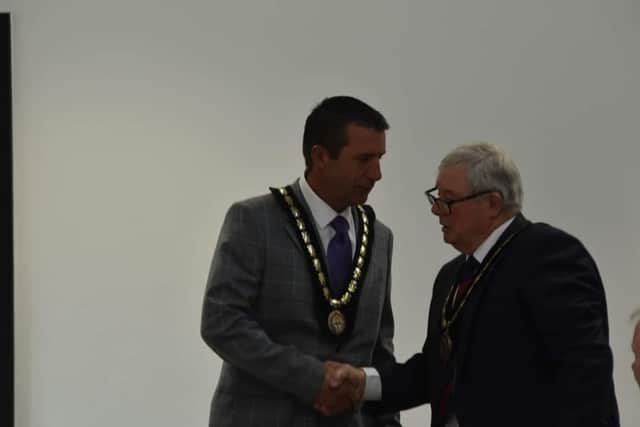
x=531 y=345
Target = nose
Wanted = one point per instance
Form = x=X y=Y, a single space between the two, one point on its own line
x=375 y=172
x=435 y=210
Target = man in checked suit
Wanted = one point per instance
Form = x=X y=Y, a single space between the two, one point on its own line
x=273 y=309
x=525 y=340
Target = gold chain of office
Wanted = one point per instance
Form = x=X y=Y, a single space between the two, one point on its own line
x=312 y=252
x=446 y=323
x=446 y=342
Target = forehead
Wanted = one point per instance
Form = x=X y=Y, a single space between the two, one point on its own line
x=452 y=179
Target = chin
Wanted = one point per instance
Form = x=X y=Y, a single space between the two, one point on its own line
x=359 y=200
x=455 y=244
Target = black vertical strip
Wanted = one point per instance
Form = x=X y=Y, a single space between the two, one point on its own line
x=6 y=283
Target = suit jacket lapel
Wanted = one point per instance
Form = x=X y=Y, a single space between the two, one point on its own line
x=348 y=307
x=465 y=326
x=292 y=231
x=440 y=377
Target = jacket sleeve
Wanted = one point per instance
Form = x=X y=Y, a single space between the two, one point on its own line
x=228 y=326
x=406 y=385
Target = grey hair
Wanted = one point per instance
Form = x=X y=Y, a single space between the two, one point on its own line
x=488 y=167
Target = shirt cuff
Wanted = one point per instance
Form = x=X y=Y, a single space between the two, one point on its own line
x=373 y=386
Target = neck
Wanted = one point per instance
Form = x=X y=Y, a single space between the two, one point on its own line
x=494 y=223
x=318 y=186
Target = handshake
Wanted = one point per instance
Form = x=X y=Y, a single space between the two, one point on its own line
x=342 y=390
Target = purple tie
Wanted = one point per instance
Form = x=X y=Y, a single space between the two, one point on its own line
x=339 y=255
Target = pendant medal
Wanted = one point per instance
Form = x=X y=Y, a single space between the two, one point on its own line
x=336 y=322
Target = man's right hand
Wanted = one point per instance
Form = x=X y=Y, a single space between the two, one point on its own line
x=342 y=390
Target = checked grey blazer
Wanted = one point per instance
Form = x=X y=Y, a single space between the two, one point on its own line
x=258 y=316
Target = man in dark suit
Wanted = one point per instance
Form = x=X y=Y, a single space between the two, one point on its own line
x=301 y=276
x=518 y=332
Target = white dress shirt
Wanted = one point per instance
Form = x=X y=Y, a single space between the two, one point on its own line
x=323 y=214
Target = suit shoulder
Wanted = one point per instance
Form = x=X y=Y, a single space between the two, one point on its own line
x=255 y=203
x=252 y=212
x=547 y=241
x=382 y=228
x=543 y=233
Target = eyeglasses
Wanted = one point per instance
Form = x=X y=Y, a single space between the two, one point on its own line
x=444 y=206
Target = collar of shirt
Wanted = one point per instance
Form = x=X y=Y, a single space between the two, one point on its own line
x=488 y=243
x=323 y=214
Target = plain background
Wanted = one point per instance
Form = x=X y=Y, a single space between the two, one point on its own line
x=138 y=122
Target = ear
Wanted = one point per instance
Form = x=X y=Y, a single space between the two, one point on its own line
x=319 y=156
x=496 y=203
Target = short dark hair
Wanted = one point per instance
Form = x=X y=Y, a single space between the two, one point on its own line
x=327 y=123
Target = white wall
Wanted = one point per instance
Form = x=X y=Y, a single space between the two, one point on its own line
x=138 y=122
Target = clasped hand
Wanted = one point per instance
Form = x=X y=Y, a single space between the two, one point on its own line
x=342 y=390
